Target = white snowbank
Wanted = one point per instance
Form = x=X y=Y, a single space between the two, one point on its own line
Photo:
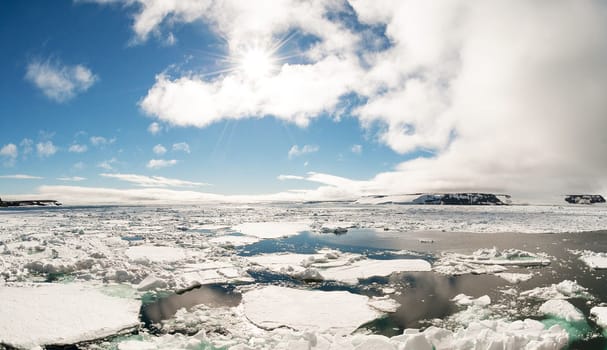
x=156 y=254
x=600 y=313
x=594 y=260
x=266 y=230
x=335 y=312
x=563 y=290
x=515 y=277
x=562 y=309
x=62 y=314
x=487 y=261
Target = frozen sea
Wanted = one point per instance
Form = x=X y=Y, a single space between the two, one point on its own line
x=304 y=276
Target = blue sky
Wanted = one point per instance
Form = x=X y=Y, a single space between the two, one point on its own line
x=300 y=100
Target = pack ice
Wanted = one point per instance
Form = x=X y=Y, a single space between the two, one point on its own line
x=60 y=314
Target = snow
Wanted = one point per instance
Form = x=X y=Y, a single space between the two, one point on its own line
x=562 y=309
x=151 y=282
x=56 y=314
x=335 y=312
x=368 y=268
x=600 y=313
x=267 y=230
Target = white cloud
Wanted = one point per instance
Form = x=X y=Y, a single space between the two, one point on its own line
x=356 y=149
x=72 y=178
x=154 y=128
x=10 y=151
x=21 y=177
x=504 y=96
x=60 y=82
x=290 y=177
x=154 y=181
x=76 y=148
x=159 y=149
x=182 y=147
x=296 y=151
x=27 y=146
x=107 y=164
x=46 y=149
x=101 y=141
x=161 y=163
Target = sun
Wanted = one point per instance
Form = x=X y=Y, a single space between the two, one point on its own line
x=256 y=63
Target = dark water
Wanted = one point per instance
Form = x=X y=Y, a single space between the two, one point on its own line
x=425 y=295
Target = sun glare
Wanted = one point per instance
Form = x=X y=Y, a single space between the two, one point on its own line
x=256 y=63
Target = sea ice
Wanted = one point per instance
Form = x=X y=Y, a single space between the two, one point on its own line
x=563 y=290
x=562 y=309
x=515 y=277
x=62 y=314
x=368 y=268
x=487 y=261
x=594 y=260
x=156 y=254
x=336 y=312
x=235 y=241
x=600 y=312
x=266 y=230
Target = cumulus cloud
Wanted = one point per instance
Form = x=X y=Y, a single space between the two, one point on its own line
x=356 y=149
x=10 y=153
x=76 y=148
x=59 y=82
x=107 y=164
x=154 y=181
x=159 y=149
x=297 y=151
x=46 y=149
x=181 y=147
x=27 y=146
x=154 y=128
x=500 y=96
x=21 y=177
x=161 y=163
x=101 y=141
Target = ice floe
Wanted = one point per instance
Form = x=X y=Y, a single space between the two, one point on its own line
x=562 y=290
x=515 y=277
x=594 y=260
x=337 y=266
x=157 y=254
x=272 y=229
x=600 y=313
x=337 y=312
x=62 y=314
x=487 y=261
x=562 y=309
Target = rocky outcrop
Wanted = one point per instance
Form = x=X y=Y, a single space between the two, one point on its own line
x=584 y=198
x=26 y=203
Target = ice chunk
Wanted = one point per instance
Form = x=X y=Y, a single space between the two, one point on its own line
x=600 y=312
x=562 y=309
x=272 y=229
x=465 y=300
x=384 y=304
x=515 y=277
x=487 y=261
x=594 y=260
x=151 y=282
x=233 y=240
x=368 y=268
x=336 y=312
x=157 y=254
x=563 y=290
x=62 y=314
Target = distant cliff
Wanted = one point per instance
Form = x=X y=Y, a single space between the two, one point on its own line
x=438 y=199
x=29 y=202
x=584 y=198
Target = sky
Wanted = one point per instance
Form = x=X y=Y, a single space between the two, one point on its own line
x=196 y=100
